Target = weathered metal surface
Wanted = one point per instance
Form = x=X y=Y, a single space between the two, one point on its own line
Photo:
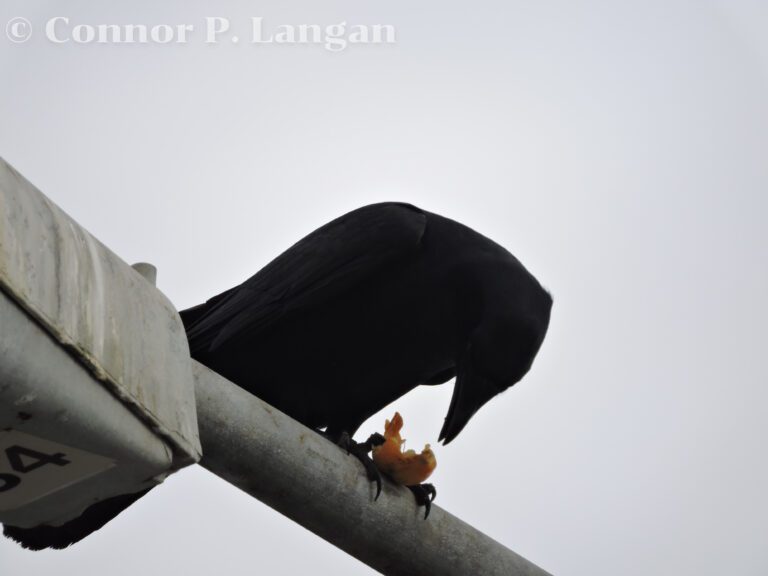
x=46 y=393
x=102 y=311
x=308 y=479
x=96 y=390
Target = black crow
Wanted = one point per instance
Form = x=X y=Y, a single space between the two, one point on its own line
x=366 y=308
x=369 y=306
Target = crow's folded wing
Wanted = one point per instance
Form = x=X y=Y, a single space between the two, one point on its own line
x=322 y=266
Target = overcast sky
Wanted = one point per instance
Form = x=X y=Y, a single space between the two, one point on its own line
x=618 y=149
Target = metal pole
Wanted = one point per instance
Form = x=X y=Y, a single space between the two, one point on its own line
x=302 y=475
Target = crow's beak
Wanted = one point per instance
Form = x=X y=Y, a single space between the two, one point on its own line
x=470 y=392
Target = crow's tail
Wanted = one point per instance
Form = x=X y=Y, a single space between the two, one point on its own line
x=94 y=517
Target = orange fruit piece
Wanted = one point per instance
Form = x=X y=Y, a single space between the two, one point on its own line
x=404 y=467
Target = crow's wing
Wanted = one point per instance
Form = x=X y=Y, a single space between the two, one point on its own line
x=323 y=265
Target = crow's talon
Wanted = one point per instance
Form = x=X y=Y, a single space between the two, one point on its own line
x=344 y=441
x=360 y=451
x=425 y=494
x=374 y=440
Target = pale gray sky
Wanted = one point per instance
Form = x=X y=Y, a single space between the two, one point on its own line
x=618 y=149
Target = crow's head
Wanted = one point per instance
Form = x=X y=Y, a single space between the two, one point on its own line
x=499 y=350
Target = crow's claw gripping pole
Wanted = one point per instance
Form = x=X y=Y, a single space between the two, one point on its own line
x=425 y=495
x=361 y=451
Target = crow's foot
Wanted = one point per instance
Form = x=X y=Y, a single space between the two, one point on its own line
x=425 y=495
x=361 y=451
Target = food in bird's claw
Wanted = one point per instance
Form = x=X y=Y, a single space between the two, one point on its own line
x=404 y=467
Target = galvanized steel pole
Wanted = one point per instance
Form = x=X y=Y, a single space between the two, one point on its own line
x=300 y=474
